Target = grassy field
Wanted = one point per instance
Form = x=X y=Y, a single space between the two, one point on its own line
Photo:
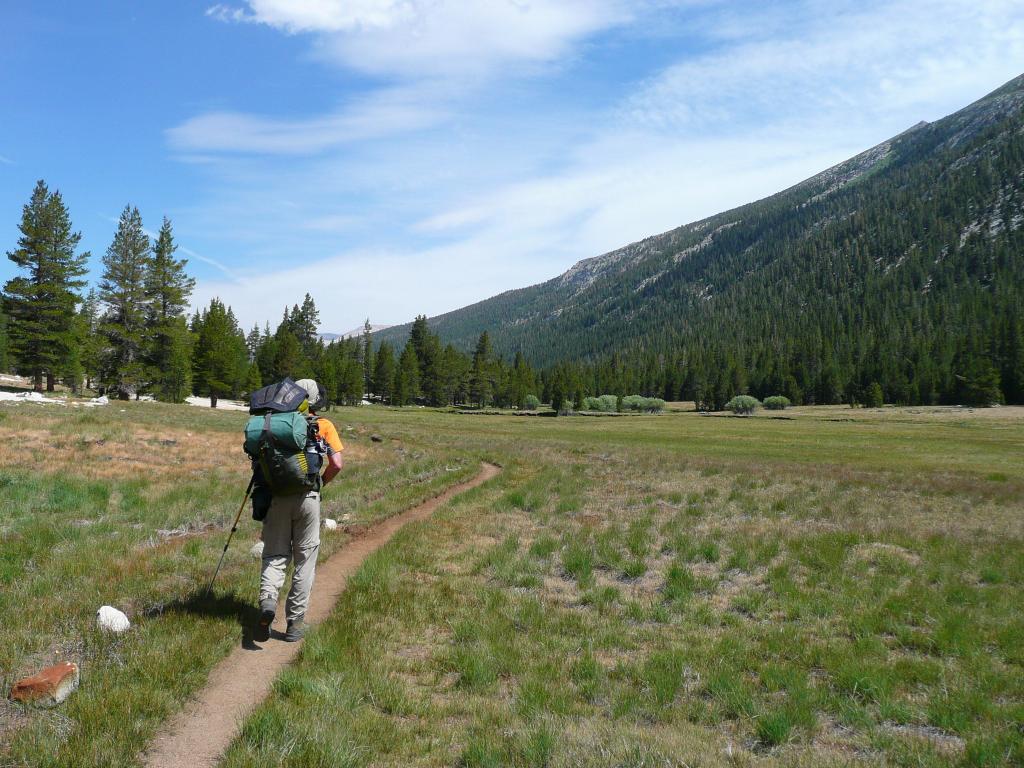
x=833 y=587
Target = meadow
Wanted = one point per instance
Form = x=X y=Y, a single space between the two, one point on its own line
x=828 y=587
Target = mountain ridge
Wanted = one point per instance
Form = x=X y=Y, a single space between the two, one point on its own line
x=918 y=237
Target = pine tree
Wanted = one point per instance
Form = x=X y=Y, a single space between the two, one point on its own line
x=367 y=353
x=384 y=373
x=407 y=376
x=91 y=341
x=41 y=306
x=123 y=291
x=4 y=357
x=167 y=291
x=252 y=379
x=306 y=324
x=456 y=367
x=221 y=361
x=289 y=359
x=175 y=378
x=481 y=382
x=253 y=342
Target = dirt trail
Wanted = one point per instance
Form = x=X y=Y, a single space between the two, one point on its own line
x=199 y=734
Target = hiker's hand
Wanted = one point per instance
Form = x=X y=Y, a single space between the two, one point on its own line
x=334 y=464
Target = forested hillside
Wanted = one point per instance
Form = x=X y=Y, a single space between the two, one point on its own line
x=903 y=266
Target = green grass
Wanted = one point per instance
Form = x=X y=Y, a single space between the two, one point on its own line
x=637 y=591
x=90 y=535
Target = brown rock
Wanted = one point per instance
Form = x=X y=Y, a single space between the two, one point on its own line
x=377 y=438
x=49 y=687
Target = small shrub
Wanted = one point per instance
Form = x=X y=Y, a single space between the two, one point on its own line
x=873 y=396
x=531 y=403
x=776 y=403
x=743 y=405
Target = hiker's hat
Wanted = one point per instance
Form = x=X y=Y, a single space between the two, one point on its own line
x=315 y=393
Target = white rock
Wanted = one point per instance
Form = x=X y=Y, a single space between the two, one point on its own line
x=257 y=550
x=112 y=620
x=102 y=400
x=330 y=524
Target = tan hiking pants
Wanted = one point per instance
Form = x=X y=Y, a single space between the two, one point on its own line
x=291 y=531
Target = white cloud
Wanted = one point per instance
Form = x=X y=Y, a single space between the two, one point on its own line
x=449 y=37
x=6 y=160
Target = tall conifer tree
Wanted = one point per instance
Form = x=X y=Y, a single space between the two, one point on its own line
x=384 y=373
x=407 y=376
x=481 y=382
x=123 y=291
x=167 y=290
x=221 y=362
x=41 y=304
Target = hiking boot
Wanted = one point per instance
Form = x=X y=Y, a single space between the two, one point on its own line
x=268 y=607
x=296 y=630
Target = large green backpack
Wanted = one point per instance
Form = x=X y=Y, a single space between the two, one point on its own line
x=285 y=452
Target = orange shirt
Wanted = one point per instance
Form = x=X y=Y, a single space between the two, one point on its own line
x=330 y=436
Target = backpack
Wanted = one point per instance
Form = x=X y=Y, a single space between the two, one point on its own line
x=284 y=444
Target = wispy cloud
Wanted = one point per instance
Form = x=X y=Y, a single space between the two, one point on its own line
x=854 y=59
x=6 y=160
x=378 y=115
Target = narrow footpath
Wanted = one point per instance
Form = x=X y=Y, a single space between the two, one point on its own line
x=202 y=731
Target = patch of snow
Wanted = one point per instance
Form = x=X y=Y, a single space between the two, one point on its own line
x=222 y=405
x=30 y=397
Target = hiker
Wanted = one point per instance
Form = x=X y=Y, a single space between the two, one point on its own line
x=291 y=531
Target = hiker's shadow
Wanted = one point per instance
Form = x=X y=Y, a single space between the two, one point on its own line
x=218 y=606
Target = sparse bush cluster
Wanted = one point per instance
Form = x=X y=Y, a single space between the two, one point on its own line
x=613 y=404
x=743 y=405
x=531 y=403
x=604 y=404
x=776 y=403
x=642 y=404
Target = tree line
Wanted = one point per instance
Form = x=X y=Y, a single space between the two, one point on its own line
x=131 y=336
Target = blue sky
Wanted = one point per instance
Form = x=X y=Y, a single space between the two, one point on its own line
x=397 y=157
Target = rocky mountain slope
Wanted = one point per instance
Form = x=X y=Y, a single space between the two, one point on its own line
x=917 y=242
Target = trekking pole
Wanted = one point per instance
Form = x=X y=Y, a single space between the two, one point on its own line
x=234 y=527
